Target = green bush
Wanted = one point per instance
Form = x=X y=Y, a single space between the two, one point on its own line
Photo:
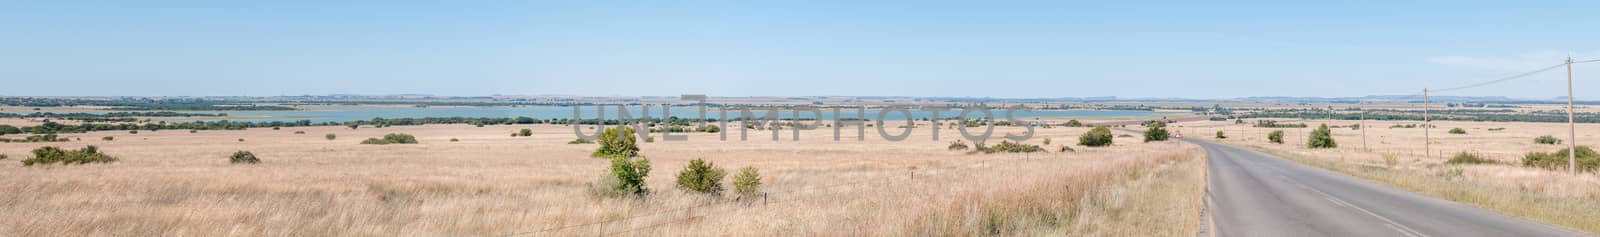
x=626 y=178
x=1458 y=131
x=1587 y=159
x=957 y=145
x=330 y=136
x=1220 y=135
x=702 y=177
x=1547 y=139
x=580 y=141
x=37 y=138
x=1275 y=136
x=1321 y=138
x=748 y=182
x=618 y=142
x=243 y=157
x=299 y=132
x=1470 y=159
x=8 y=129
x=1074 y=123
x=392 y=138
x=52 y=155
x=1157 y=131
x=525 y=132
x=1497 y=129
x=711 y=129
x=1047 y=141
x=1008 y=147
x=133 y=131
x=454 y=140
x=1097 y=137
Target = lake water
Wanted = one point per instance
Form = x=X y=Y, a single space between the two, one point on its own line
x=588 y=112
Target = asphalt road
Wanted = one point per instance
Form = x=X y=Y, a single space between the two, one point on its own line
x=1255 y=194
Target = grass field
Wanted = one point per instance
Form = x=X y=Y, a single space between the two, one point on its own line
x=177 y=183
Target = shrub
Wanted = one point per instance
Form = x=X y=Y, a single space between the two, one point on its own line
x=1047 y=141
x=618 y=142
x=108 y=138
x=1097 y=137
x=330 y=136
x=1065 y=148
x=702 y=177
x=1220 y=135
x=37 y=138
x=525 y=132
x=580 y=141
x=243 y=157
x=1470 y=159
x=957 y=145
x=274 y=128
x=1458 y=131
x=711 y=129
x=354 y=126
x=392 y=138
x=3 y=157
x=52 y=155
x=8 y=129
x=1547 y=139
x=1008 y=147
x=1496 y=129
x=1321 y=138
x=133 y=131
x=1074 y=123
x=454 y=140
x=1157 y=131
x=748 y=182
x=1587 y=159
x=626 y=178
x=241 y=140
x=299 y=132
x=198 y=131
x=1275 y=136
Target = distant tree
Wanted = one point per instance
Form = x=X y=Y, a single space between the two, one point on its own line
x=8 y=129
x=1074 y=123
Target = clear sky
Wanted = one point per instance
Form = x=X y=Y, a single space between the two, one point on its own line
x=786 y=48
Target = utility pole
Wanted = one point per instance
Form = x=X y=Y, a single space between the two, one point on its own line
x=1426 y=152
x=1572 y=126
x=1363 y=126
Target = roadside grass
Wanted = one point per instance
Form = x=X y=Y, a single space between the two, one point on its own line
x=1157 y=196
x=1571 y=212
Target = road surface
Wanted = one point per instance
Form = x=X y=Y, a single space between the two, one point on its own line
x=1254 y=194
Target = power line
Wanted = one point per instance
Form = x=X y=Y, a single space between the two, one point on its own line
x=1514 y=77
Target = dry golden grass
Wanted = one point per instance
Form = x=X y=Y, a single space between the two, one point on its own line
x=1396 y=158
x=174 y=183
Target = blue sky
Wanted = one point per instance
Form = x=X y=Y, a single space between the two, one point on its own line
x=787 y=48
